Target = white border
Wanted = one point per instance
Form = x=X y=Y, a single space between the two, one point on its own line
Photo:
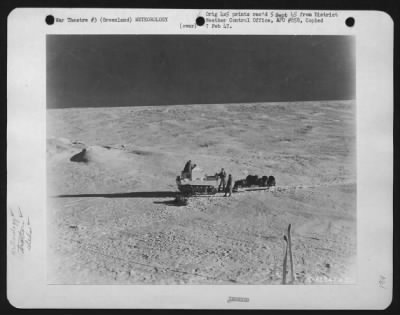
x=26 y=134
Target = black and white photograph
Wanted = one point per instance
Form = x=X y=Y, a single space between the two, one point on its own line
x=201 y=159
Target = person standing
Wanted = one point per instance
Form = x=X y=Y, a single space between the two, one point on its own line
x=229 y=186
x=187 y=171
x=222 y=183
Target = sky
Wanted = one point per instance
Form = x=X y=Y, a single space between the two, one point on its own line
x=137 y=70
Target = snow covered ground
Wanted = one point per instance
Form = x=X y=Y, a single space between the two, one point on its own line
x=111 y=212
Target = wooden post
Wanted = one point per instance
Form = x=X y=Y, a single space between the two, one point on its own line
x=284 y=260
x=293 y=278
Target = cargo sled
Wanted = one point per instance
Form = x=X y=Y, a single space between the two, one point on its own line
x=253 y=181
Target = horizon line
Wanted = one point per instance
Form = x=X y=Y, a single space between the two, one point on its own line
x=210 y=104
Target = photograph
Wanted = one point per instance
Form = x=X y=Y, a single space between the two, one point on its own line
x=201 y=159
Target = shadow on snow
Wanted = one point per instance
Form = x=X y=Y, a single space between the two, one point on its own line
x=136 y=194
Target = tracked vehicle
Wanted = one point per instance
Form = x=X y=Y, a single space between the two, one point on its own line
x=205 y=185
